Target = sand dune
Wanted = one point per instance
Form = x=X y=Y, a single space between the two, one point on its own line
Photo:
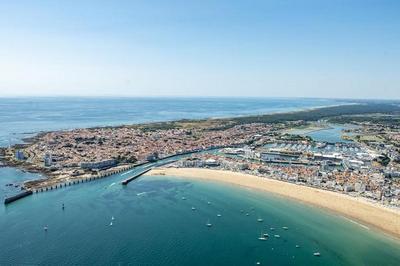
x=361 y=210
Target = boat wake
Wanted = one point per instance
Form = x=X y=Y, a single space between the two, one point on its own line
x=126 y=173
x=144 y=193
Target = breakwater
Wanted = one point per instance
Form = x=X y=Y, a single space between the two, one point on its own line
x=18 y=196
x=129 y=179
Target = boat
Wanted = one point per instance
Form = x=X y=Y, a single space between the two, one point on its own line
x=208 y=202
x=266 y=235
x=111 y=224
x=277 y=236
x=272 y=229
x=262 y=237
x=297 y=246
x=247 y=214
x=45 y=228
x=285 y=228
x=260 y=220
x=112 y=218
x=208 y=223
x=183 y=198
x=317 y=254
x=219 y=215
x=193 y=208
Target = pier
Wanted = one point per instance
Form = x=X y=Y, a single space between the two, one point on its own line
x=129 y=179
x=17 y=197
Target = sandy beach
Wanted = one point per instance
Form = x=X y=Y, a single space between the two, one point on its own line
x=358 y=209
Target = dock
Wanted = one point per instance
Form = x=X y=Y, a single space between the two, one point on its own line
x=17 y=197
x=129 y=179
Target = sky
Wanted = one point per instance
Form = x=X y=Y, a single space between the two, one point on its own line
x=328 y=49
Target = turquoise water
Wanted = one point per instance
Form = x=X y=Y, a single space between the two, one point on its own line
x=154 y=226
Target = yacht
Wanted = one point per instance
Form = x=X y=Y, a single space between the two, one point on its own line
x=208 y=223
x=277 y=236
x=317 y=254
x=112 y=218
x=193 y=208
x=285 y=228
x=219 y=215
x=260 y=220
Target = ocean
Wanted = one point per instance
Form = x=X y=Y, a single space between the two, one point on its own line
x=21 y=117
x=152 y=224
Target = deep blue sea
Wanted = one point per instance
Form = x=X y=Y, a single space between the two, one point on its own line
x=153 y=225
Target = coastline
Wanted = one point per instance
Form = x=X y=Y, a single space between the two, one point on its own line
x=360 y=210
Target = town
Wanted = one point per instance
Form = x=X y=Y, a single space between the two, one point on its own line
x=364 y=163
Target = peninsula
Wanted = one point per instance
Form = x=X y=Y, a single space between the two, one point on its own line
x=366 y=165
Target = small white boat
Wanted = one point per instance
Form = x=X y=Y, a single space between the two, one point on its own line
x=219 y=215
x=258 y=263
x=272 y=229
x=112 y=218
x=111 y=224
x=208 y=202
x=208 y=223
x=247 y=214
x=45 y=228
x=285 y=228
x=260 y=220
x=266 y=235
x=317 y=254
x=193 y=208
x=183 y=198
x=277 y=236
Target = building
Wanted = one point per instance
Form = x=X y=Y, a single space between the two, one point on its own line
x=19 y=155
x=100 y=165
x=48 y=159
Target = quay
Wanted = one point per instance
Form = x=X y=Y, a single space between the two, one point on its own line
x=17 y=197
x=129 y=179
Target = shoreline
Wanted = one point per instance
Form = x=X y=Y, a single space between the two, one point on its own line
x=367 y=213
